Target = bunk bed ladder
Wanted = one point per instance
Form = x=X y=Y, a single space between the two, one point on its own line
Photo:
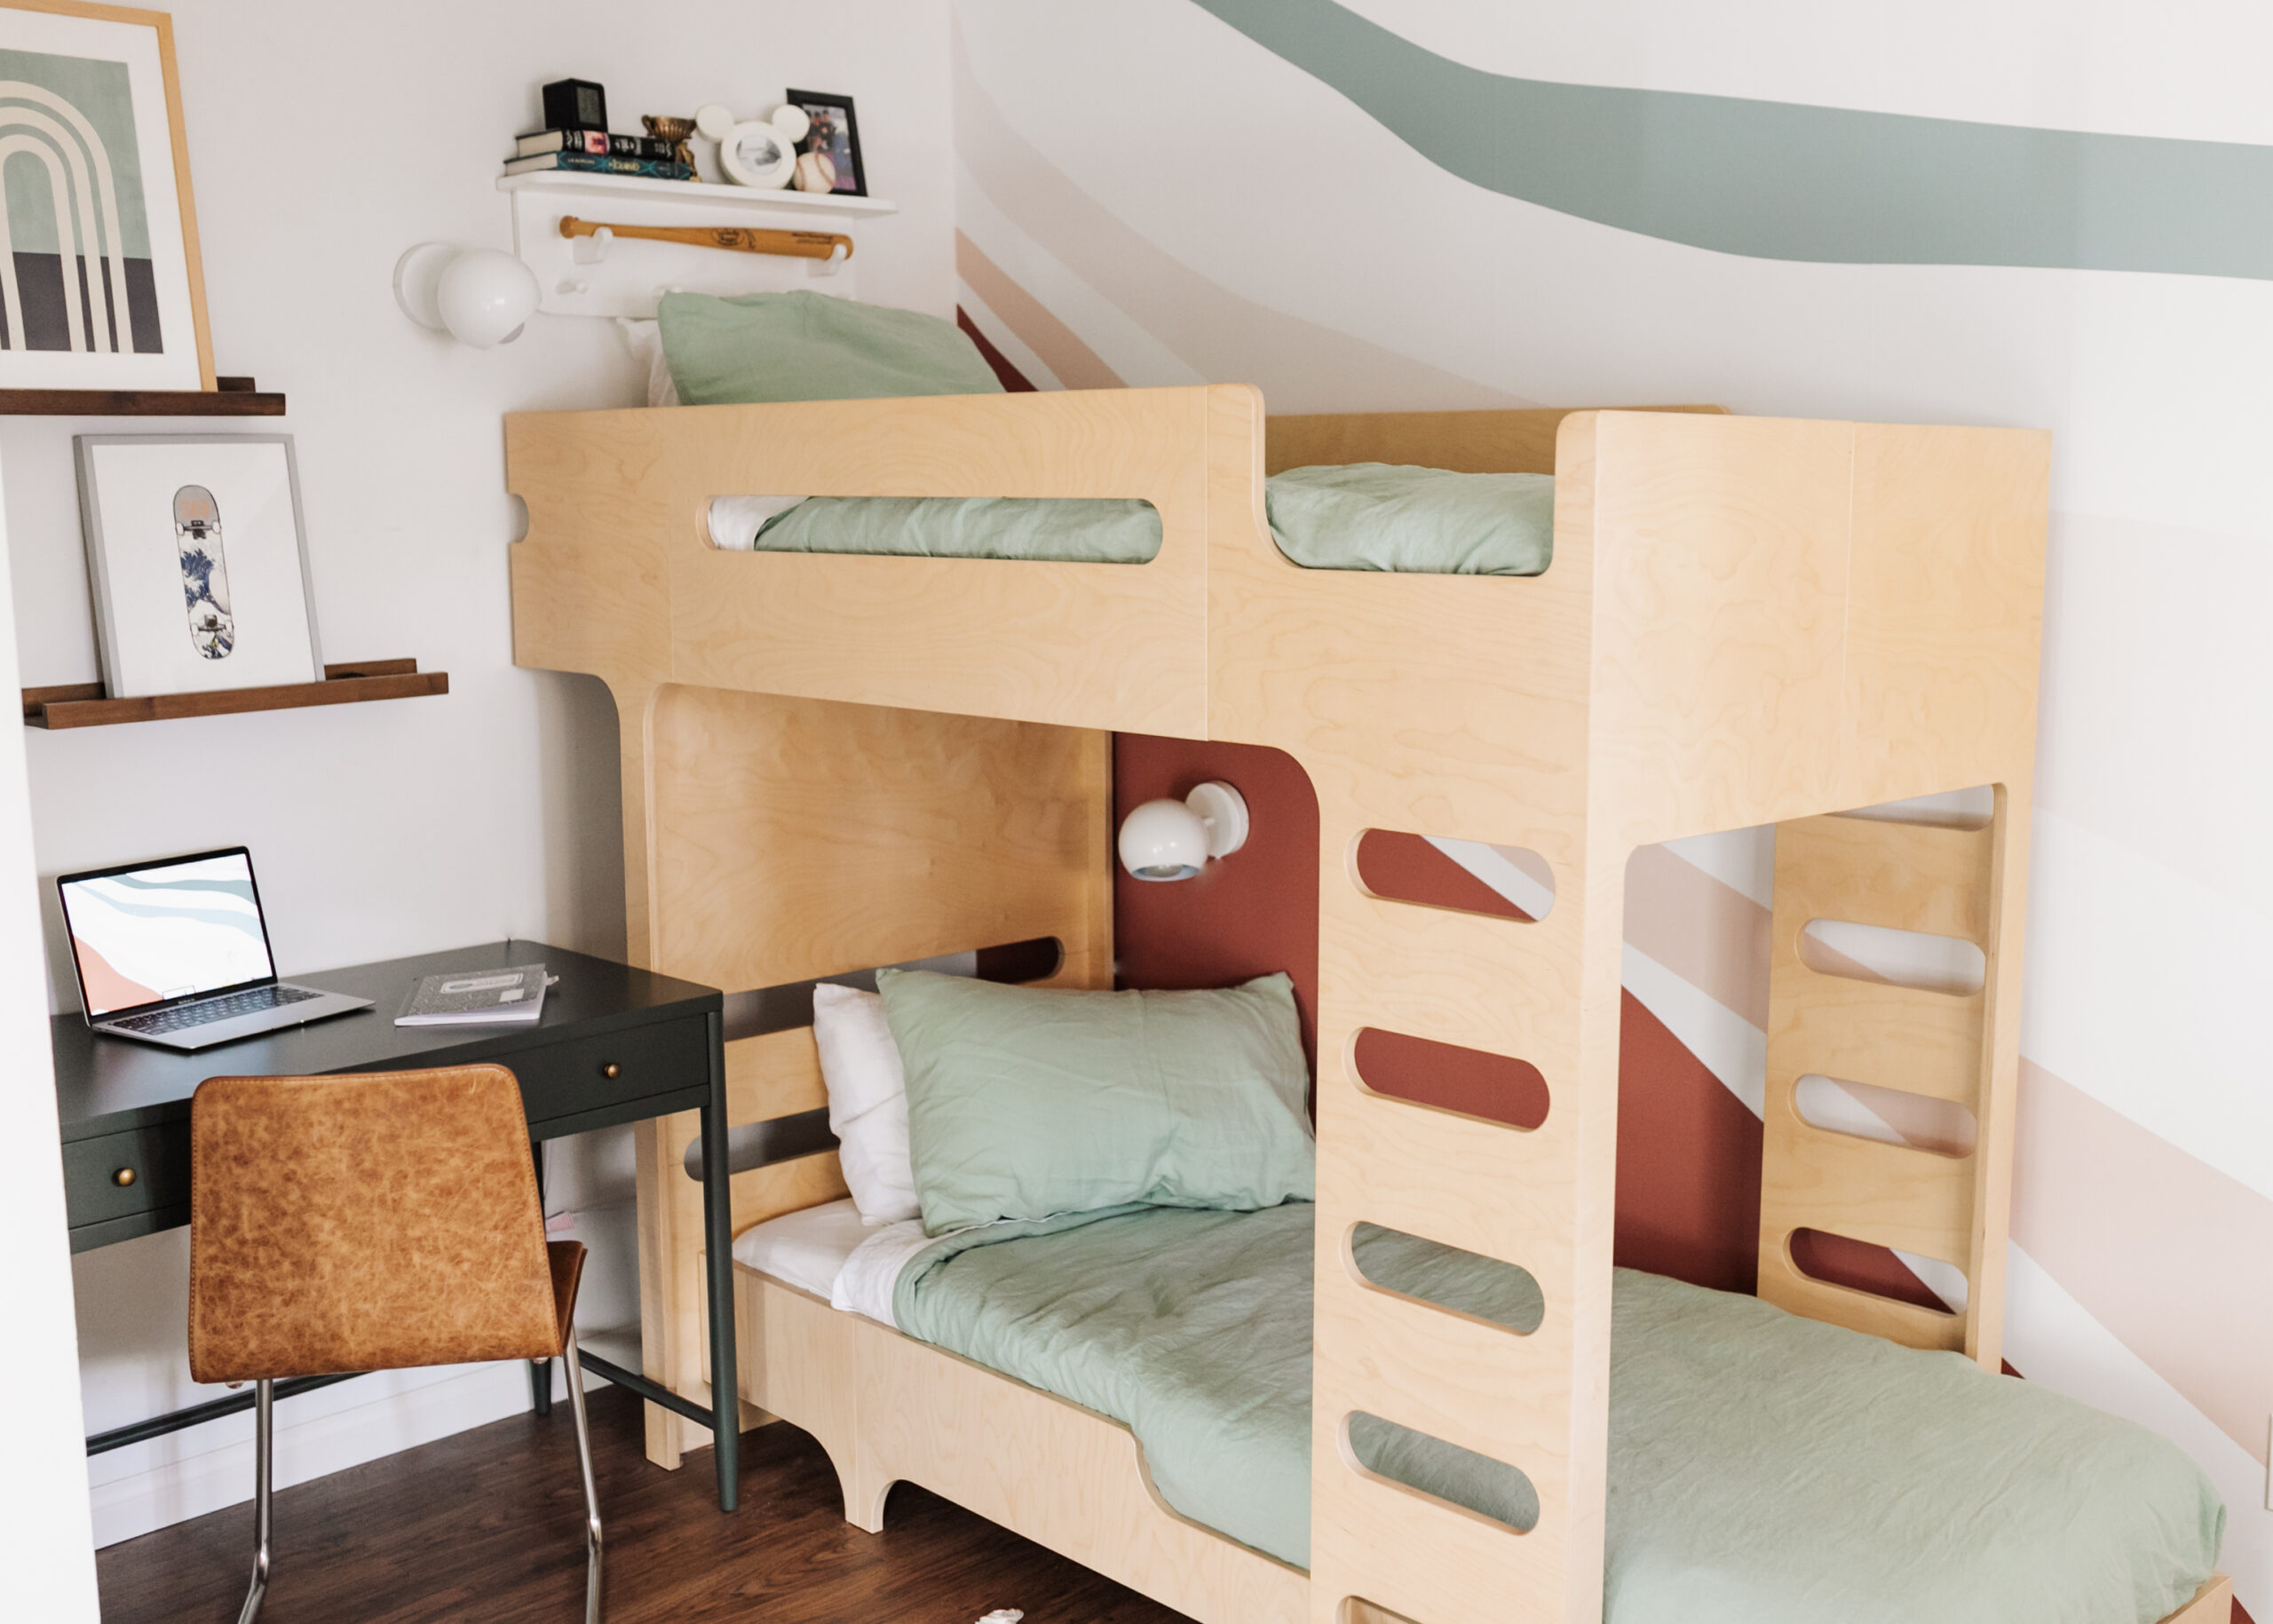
x=1930 y=1195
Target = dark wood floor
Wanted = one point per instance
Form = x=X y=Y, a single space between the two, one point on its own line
x=487 y=1525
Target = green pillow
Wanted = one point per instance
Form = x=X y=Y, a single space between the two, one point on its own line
x=1026 y=1102
x=1422 y=521
x=810 y=347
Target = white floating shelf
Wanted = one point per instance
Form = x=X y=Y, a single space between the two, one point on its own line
x=695 y=194
x=625 y=276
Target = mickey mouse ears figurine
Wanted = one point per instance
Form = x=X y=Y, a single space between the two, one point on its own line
x=762 y=153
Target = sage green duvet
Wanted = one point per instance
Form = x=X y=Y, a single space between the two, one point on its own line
x=1371 y=515
x=1763 y=1468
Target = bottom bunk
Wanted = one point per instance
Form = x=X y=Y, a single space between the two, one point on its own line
x=1763 y=1467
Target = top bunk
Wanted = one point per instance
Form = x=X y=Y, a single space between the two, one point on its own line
x=1743 y=619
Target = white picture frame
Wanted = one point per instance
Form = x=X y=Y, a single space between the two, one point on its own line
x=196 y=562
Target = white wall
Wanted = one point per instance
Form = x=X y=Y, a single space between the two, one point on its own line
x=44 y=1550
x=324 y=140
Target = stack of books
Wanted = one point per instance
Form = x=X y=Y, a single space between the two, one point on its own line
x=597 y=152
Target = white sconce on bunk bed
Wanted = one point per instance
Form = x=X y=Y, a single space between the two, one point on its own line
x=1173 y=840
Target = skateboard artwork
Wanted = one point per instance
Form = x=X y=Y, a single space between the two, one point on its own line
x=204 y=572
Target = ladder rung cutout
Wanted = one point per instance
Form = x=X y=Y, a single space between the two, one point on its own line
x=1454 y=1278
x=1887 y=1195
x=1930 y=963
x=1892 y=1116
x=1906 y=1277
x=1451 y=1077
x=1894 y=1037
x=1480 y=1484
x=1905 y=877
x=1783 y=1284
x=1463 y=876
x=1357 y=1609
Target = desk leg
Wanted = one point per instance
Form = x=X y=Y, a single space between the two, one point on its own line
x=717 y=1228
x=540 y=1370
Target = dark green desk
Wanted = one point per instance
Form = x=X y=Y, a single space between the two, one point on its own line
x=614 y=1045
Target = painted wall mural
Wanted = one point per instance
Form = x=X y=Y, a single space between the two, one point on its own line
x=2010 y=213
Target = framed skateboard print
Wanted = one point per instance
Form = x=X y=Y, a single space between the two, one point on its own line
x=197 y=562
x=100 y=284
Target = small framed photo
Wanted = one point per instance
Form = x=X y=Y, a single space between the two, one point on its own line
x=829 y=159
x=197 y=562
x=100 y=286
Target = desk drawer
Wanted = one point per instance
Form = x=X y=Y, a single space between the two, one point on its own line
x=584 y=1075
x=158 y=1158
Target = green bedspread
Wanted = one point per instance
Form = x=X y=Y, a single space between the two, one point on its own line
x=1764 y=1468
x=1371 y=515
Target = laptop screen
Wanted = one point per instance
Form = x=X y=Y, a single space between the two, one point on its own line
x=165 y=931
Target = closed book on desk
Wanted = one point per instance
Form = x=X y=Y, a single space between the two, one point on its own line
x=477 y=998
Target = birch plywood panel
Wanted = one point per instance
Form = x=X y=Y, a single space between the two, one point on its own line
x=1466 y=443
x=1947 y=615
x=1721 y=578
x=1905 y=877
x=1088 y=645
x=1059 y=1474
x=1902 y=876
x=799 y=838
x=590 y=591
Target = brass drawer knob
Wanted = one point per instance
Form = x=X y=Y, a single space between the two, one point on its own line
x=611 y=1070
x=122 y=1177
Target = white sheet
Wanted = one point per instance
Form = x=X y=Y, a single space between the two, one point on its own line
x=830 y=1252
x=804 y=1248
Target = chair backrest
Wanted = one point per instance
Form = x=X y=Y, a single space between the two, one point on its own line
x=365 y=1221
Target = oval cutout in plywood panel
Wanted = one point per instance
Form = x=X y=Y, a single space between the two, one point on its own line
x=1859 y=1265
x=1028 y=529
x=1464 y=875
x=1357 y=1609
x=1457 y=1478
x=1492 y=1087
x=1464 y=1283
x=1903 y=958
x=1888 y=1116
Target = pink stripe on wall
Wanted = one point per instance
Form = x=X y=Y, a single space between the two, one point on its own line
x=2168 y=1254
x=1060 y=347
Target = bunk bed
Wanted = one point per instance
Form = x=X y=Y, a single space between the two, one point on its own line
x=836 y=761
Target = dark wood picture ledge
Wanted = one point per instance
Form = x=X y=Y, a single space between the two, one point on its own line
x=84 y=704
x=230 y=397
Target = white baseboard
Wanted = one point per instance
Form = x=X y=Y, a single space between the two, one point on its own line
x=205 y=1469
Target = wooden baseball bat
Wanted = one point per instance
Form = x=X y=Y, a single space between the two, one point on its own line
x=740 y=238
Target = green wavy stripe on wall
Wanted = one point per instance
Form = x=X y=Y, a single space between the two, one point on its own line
x=1781 y=181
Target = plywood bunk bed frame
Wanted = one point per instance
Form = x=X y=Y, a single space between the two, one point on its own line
x=832 y=763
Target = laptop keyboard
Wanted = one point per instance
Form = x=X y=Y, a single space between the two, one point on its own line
x=204 y=1014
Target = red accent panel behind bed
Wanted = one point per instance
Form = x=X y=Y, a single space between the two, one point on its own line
x=1688 y=1151
x=1255 y=911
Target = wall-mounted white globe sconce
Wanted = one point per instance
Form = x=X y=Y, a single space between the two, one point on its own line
x=478 y=296
x=1173 y=840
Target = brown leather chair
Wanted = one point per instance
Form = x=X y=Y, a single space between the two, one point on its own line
x=372 y=1222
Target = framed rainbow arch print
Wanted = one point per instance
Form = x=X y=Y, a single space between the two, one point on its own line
x=101 y=285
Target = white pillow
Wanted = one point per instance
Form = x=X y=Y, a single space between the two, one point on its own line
x=868 y=1101
x=645 y=338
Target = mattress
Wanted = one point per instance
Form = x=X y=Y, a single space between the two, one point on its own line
x=1363 y=516
x=1763 y=1468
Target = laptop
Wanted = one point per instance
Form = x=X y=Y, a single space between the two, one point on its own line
x=176 y=953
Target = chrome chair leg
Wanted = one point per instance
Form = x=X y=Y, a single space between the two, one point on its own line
x=574 y=1372
x=264 y=1447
